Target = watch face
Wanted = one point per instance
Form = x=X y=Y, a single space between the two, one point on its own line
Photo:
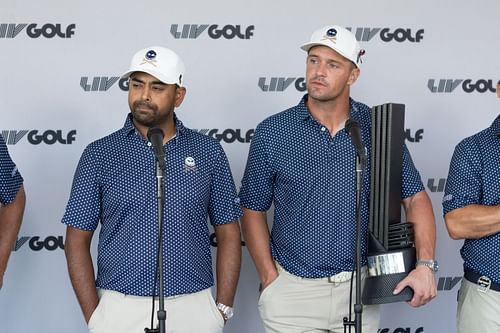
x=229 y=313
x=435 y=266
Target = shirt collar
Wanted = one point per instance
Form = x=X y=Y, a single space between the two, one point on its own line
x=303 y=112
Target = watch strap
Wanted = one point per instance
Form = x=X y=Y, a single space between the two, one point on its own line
x=226 y=310
x=432 y=264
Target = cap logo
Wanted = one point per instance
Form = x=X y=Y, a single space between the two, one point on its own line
x=331 y=35
x=149 y=58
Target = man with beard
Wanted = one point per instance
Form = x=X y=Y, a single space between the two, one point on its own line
x=303 y=161
x=471 y=208
x=12 y=202
x=115 y=185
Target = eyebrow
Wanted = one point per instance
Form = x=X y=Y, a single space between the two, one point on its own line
x=329 y=60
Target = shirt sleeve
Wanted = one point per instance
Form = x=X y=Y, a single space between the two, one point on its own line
x=84 y=205
x=10 y=178
x=224 y=206
x=463 y=186
x=411 y=183
x=257 y=185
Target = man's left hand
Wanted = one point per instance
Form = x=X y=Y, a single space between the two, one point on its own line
x=423 y=283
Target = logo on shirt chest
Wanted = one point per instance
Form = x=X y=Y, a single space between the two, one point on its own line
x=190 y=164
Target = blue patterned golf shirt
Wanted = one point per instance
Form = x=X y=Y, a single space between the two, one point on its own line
x=310 y=177
x=10 y=178
x=115 y=184
x=474 y=178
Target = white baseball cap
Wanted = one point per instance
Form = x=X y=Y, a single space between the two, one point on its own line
x=162 y=63
x=338 y=39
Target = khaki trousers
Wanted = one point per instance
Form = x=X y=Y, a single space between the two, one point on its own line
x=120 y=313
x=291 y=304
x=477 y=311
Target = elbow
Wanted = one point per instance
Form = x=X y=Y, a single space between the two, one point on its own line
x=453 y=228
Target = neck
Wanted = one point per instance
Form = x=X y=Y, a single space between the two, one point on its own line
x=332 y=114
x=169 y=130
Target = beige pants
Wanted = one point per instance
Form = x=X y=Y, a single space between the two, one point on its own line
x=477 y=311
x=291 y=304
x=189 y=313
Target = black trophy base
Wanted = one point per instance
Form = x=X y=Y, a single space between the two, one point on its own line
x=378 y=289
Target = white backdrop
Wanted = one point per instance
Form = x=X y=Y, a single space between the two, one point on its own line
x=436 y=57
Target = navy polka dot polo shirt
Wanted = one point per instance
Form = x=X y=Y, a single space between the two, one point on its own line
x=115 y=184
x=310 y=177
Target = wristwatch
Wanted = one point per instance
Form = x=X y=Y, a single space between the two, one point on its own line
x=432 y=264
x=226 y=310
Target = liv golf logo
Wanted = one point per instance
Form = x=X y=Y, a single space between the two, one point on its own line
x=279 y=84
x=467 y=85
x=214 y=31
x=102 y=83
x=388 y=35
x=36 y=137
x=35 y=30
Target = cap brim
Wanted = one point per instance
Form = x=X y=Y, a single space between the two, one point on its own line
x=156 y=74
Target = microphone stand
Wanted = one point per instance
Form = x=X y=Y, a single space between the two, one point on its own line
x=160 y=196
x=358 y=306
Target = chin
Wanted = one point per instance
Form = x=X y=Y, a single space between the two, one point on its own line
x=144 y=121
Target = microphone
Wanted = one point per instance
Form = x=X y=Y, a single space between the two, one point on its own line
x=155 y=136
x=352 y=127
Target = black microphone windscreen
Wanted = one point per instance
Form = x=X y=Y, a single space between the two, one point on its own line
x=155 y=131
x=352 y=127
x=350 y=124
x=155 y=136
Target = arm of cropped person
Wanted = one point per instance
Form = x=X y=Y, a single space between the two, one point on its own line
x=473 y=221
x=11 y=216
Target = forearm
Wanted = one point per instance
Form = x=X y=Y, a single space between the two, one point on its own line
x=11 y=216
x=228 y=261
x=473 y=221
x=81 y=270
x=421 y=279
x=419 y=212
x=256 y=235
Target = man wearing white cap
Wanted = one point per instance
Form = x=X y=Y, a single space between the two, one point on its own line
x=115 y=186
x=12 y=202
x=471 y=209
x=303 y=161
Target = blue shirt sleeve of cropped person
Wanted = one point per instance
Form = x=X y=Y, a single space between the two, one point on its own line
x=463 y=186
x=10 y=178
x=474 y=170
